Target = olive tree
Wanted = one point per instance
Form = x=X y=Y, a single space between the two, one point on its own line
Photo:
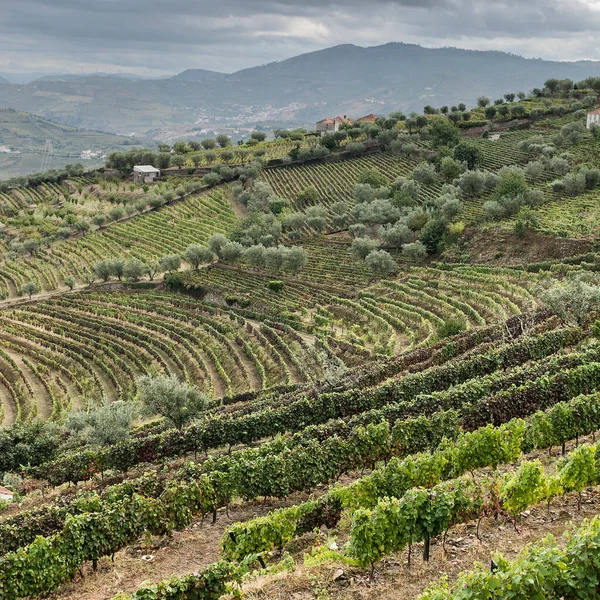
x=29 y=288
x=134 y=269
x=196 y=255
x=362 y=247
x=175 y=400
x=170 y=262
x=381 y=263
x=573 y=300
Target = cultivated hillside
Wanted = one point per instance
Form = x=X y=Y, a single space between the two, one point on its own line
x=350 y=366
x=28 y=135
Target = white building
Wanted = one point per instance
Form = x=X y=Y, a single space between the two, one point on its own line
x=593 y=118
x=5 y=494
x=331 y=125
x=145 y=174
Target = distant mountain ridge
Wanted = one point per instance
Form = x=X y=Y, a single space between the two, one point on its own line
x=344 y=79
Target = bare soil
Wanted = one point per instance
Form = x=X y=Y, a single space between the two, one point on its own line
x=499 y=247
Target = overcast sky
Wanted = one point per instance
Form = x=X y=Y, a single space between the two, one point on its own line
x=156 y=38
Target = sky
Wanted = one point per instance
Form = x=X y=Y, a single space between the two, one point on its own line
x=153 y=38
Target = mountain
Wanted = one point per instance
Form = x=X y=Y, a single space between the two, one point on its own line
x=344 y=79
x=4 y=81
x=27 y=137
x=198 y=75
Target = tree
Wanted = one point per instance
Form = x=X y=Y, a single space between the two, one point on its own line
x=432 y=234
x=450 y=168
x=180 y=148
x=273 y=258
x=381 y=263
x=468 y=153
x=208 y=144
x=116 y=267
x=425 y=173
x=490 y=112
x=29 y=288
x=31 y=246
x=509 y=97
x=216 y=242
x=444 y=133
x=152 y=270
x=232 y=251
x=177 y=401
x=295 y=259
x=223 y=140
x=170 y=262
x=362 y=247
x=134 y=269
x=83 y=226
x=116 y=213
x=396 y=235
x=102 y=270
x=483 y=101
x=177 y=160
x=259 y=136
x=163 y=160
x=70 y=282
x=255 y=255
x=99 y=220
x=374 y=178
x=573 y=300
x=196 y=255
x=104 y=425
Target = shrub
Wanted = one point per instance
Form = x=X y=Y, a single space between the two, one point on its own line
x=381 y=263
x=167 y=396
x=415 y=251
x=450 y=327
x=276 y=285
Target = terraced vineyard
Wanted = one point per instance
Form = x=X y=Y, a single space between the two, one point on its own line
x=464 y=390
x=384 y=318
x=338 y=402
x=335 y=181
x=147 y=237
x=61 y=354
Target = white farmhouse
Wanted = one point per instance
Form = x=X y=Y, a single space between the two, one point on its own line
x=331 y=125
x=5 y=494
x=145 y=174
x=593 y=118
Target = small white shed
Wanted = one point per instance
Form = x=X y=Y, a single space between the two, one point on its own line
x=145 y=174
x=5 y=494
x=593 y=118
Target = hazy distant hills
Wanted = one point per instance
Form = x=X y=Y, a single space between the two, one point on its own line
x=345 y=79
x=27 y=135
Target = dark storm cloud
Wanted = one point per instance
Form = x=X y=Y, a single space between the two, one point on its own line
x=158 y=37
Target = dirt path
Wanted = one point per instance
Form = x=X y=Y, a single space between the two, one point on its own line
x=394 y=580
x=185 y=552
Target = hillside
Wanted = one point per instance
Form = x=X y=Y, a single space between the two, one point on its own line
x=349 y=366
x=344 y=79
x=27 y=135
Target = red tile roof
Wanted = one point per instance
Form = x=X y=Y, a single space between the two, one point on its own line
x=5 y=492
x=368 y=118
x=594 y=112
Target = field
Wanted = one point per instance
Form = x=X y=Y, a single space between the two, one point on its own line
x=342 y=415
